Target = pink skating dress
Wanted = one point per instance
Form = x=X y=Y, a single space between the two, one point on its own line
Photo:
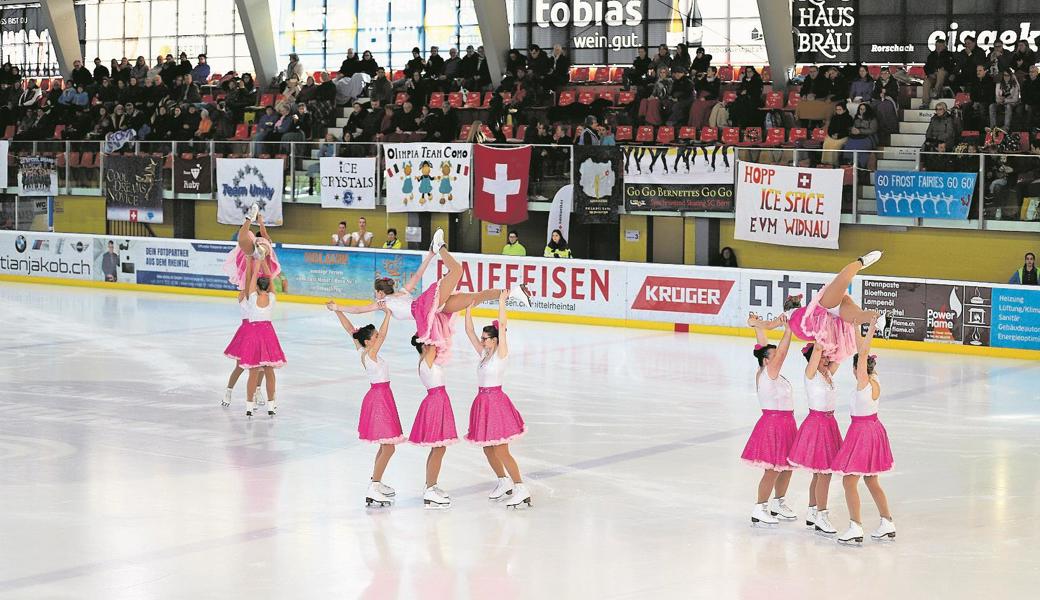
x=433 y=326
x=818 y=438
x=241 y=339
x=235 y=264
x=379 y=422
x=493 y=420
x=774 y=433
x=866 y=449
x=824 y=326
x=263 y=349
x=434 y=423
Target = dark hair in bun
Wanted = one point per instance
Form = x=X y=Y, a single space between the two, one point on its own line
x=417 y=344
x=363 y=334
x=385 y=285
x=871 y=363
x=792 y=302
x=491 y=331
x=807 y=351
x=263 y=283
x=762 y=351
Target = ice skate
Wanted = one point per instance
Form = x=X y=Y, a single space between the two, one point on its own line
x=272 y=407
x=887 y=530
x=760 y=515
x=778 y=508
x=375 y=497
x=823 y=523
x=521 y=497
x=503 y=489
x=226 y=402
x=521 y=294
x=385 y=490
x=435 y=498
x=870 y=258
x=810 y=517
x=438 y=241
x=259 y=397
x=853 y=536
x=250 y=408
x=253 y=211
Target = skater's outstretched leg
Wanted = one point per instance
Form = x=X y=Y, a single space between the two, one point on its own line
x=835 y=291
x=246 y=239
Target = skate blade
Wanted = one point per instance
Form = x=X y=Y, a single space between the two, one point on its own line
x=854 y=542
x=270 y=413
x=881 y=538
x=759 y=523
x=225 y=404
x=369 y=502
x=810 y=524
x=523 y=504
x=500 y=498
x=249 y=413
x=431 y=505
x=783 y=518
x=819 y=531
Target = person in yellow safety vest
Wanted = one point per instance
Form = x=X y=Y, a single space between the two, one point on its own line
x=392 y=242
x=514 y=247
x=557 y=246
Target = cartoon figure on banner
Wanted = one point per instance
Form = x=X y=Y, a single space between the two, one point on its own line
x=425 y=182
x=597 y=178
x=446 y=178
x=407 y=185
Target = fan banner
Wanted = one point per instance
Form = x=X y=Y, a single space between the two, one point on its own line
x=427 y=177
x=788 y=206
x=500 y=183
x=348 y=182
x=133 y=188
x=242 y=182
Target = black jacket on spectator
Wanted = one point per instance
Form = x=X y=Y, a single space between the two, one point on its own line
x=1021 y=61
x=641 y=66
x=468 y=66
x=369 y=67
x=519 y=61
x=82 y=76
x=982 y=90
x=701 y=64
x=940 y=60
x=822 y=86
x=1031 y=92
x=540 y=65
x=682 y=88
x=101 y=72
x=435 y=66
x=560 y=70
x=840 y=125
x=708 y=89
x=349 y=66
x=966 y=64
x=891 y=88
x=407 y=121
x=415 y=64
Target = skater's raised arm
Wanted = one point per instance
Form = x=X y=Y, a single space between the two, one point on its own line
x=503 y=347
x=471 y=334
x=347 y=325
x=250 y=267
x=755 y=322
x=416 y=278
x=814 y=361
x=863 y=357
x=781 y=351
x=383 y=328
x=263 y=230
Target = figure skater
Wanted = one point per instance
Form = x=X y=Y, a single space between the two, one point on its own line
x=774 y=433
x=239 y=342
x=493 y=420
x=249 y=244
x=832 y=316
x=379 y=422
x=818 y=438
x=263 y=353
x=434 y=424
x=434 y=310
x=866 y=451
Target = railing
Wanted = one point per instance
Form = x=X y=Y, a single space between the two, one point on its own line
x=999 y=203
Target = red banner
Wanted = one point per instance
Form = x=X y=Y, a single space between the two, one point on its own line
x=500 y=183
x=682 y=294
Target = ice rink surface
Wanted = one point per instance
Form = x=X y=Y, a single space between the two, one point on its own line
x=122 y=477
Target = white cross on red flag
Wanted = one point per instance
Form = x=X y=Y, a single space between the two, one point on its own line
x=500 y=178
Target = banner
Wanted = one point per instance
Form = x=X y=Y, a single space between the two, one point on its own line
x=788 y=206
x=427 y=177
x=37 y=177
x=4 y=146
x=686 y=178
x=26 y=41
x=46 y=255
x=560 y=212
x=133 y=188
x=679 y=294
x=924 y=195
x=348 y=182
x=335 y=273
x=500 y=183
x=599 y=183
x=193 y=175
x=156 y=261
x=117 y=139
x=1016 y=318
x=242 y=182
x=763 y=291
x=931 y=311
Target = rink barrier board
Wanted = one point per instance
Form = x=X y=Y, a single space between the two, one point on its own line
x=708 y=300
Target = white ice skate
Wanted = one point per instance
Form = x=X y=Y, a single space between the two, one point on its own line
x=870 y=258
x=810 y=518
x=760 y=515
x=435 y=498
x=521 y=294
x=853 y=536
x=385 y=490
x=503 y=489
x=438 y=241
x=521 y=497
x=375 y=497
x=250 y=408
x=226 y=402
x=823 y=523
x=272 y=407
x=881 y=323
x=259 y=397
x=253 y=211
x=778 y=508
x=887 y=530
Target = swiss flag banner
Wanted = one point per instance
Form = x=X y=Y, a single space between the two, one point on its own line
x=500 y=183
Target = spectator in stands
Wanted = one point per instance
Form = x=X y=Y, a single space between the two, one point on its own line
x=372 y=123
x=476 y=133
x=1027 y=274
x=557 y=246
x=639 y=73
x=100 y=70
x=468 y=66
x=356 y=120
x=26 y=127
x=726 y=258
x=983 y=93
x=863 y=135
x=80 y=98
x=838 y=129
x=999 y=59
x=294 y=70
x=682 y=57
x=862 y=89
x=392 y=242
x=350 y=65
x=680 y=97
x=538 y=134
x=515 y=60
x=448 y=125
x=362 y=238
x=139 y=70
x=839 y=86
x=30 y=96
x=967 y=62
x=513 y=246
x=1031 y=96
x=238 y=99
x=169 y=72
x=419 y=88
x=1007 y=94
x=886 y=103
x=415 y=65
x=155 y=70
x=434 y=64
x=200 y=74
x=585 y=134
x=119 y=119
x=708 y=86
x=886 y=87
x=662 y=59
x=265 y=125
x=813 y=84
x=744 y=111
x=184 y=65
x=381 y=89
x=387 y=124
x=190 y=91
x=308 y=91
x=701 y=61
x=341 y=238
x=136 y=118
x=483 y=77
x=559 y=71
x=122 y=72
x=606 y=135
x=302 y=127
x=538 y=62
x=1023 y=57
x=452 y=79
x=368 y=64
x=407 y=120
x=80 y=76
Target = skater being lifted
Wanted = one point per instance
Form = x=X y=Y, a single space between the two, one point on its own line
x=249 y=244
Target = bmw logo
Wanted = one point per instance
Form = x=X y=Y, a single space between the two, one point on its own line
x=79 y=246
x=19 y=244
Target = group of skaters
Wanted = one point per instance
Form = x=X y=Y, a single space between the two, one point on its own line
x=494 y=421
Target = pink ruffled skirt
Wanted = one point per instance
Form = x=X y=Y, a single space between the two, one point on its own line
x=235 y=266
x=866 y=450
x=433 y=326
x=493 y=420
x=817 y=442
x=814 y=323
x=379 y=422
x=262 y=349
x=240 y=341
x=771 y=441
x=434 y=423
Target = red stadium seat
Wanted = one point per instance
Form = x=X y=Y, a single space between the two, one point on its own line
x=731 y=136
x=241 y=132
x=586 y=98
x=608 y=96
x=687 y=133
x=962 y=99
x=665 y=134
x=793 y=98
x=819 y=134
x=455 y=99
x=617 y=74
x=579 y=74
x=798 y=134
x=916 y=71
x=267 y=100
x=398 y=75
x=874 y=71
x=775 y=136
x=774 y=100
x=626 y=97
x=521 y=132
x=464 y=132
x=436 y=100
x=9 y=132
x=601 y=75
x=623 y=133
x=725 y=73
x=709 y=135
x=58 y=130
x=507 y=131
x=767 y=74
x=645 y=134
x=566 y=98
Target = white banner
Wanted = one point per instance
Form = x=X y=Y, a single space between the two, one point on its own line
x=46 y=255
x=427 y=177
x=159 y=261
x=788 y=206
x=241 y=182
x=4 y=146
x=37 y=176
x=348 y=182
x=560 y=213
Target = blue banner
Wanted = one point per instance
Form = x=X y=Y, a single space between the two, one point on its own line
x=1016 y=318
x=928 y=195
x=332 y=273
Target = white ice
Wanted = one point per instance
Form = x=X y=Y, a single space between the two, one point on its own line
x=122 y=477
